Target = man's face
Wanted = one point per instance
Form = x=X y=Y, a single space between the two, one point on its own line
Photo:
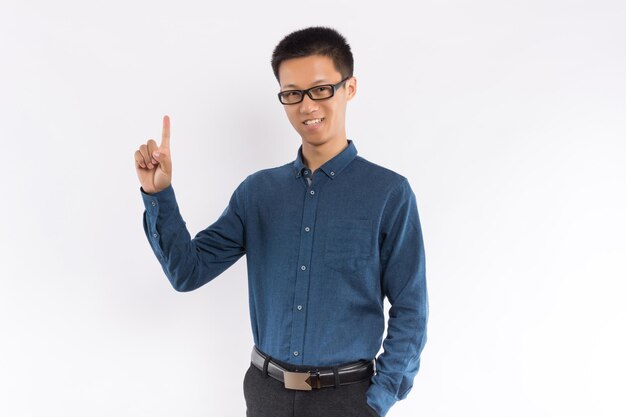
x=307 y=72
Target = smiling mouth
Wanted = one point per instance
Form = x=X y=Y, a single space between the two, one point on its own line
x=313 y=121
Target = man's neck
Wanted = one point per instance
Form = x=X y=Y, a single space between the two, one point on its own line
x=315 y=156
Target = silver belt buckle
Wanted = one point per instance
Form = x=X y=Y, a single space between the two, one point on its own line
x=297 y=380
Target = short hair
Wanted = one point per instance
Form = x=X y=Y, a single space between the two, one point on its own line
x=316 y=40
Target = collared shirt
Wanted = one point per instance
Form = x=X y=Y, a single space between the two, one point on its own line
x=323 y=251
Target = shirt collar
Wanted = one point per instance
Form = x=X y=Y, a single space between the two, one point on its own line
x=333 y=166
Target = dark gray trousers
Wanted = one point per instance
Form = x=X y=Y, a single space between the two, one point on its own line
x=267 y=397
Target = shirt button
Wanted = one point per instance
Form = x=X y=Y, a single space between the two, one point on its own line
x=307 y=229
x=155 y=235
x=306 y=172
x=302 y=267
x=296 y=353
x=153 y=203
x=312 y=192
x=332 y=172
x=299 y=307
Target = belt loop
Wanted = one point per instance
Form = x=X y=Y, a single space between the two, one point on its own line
x=336 y=373
x=267 y=359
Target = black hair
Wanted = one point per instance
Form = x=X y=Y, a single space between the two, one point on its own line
x=315 y=40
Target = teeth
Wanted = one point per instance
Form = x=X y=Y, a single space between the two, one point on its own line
x=312 y=121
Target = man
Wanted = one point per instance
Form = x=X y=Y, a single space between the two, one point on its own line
x=327 y=237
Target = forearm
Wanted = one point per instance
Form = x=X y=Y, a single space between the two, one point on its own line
x=188 y=263
x=399 y=363
x=404 y=284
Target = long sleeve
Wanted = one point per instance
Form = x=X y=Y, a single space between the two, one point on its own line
x=190 y=263
x=404 y=283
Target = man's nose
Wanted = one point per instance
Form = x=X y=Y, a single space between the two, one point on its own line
x=308 y=105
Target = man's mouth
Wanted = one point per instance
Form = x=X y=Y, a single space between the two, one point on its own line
x=313 y=121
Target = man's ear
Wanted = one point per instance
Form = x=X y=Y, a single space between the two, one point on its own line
x=351 y=86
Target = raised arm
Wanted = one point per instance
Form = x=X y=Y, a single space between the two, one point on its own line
x=187 y=263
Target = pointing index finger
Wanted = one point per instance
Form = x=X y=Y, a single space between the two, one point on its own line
x=165 y=135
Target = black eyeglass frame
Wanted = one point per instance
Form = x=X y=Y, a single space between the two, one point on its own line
x=307 y=92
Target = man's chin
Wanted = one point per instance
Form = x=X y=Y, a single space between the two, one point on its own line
x=314 y=140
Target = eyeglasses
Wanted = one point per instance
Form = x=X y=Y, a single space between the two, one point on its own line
x=319 y=92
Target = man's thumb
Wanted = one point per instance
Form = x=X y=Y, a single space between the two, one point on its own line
x=162 y=159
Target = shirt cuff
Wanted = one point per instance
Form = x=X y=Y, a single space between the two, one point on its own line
x=379 y=399
x=165 y=198
x=154 y=204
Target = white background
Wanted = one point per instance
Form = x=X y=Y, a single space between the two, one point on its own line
x=508 y=118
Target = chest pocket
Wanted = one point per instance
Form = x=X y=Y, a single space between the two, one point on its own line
x=349 y=244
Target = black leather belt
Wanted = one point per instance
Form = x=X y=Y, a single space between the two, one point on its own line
x=306 y=378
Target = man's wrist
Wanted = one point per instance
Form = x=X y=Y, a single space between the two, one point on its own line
x=155 y=192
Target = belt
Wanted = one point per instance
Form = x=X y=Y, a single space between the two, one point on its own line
x=313 y=377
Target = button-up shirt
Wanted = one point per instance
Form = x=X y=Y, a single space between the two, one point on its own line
x=323 y=251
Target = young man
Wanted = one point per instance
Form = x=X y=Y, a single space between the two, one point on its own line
x=327 y=237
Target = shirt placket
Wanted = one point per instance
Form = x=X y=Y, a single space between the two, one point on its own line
x=303 y=277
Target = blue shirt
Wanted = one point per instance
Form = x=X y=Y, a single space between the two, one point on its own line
x=321 y=257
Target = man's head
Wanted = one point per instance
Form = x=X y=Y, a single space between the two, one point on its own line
x=313 y=57
x=315 y=41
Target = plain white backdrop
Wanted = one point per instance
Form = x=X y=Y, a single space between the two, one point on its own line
x=508 y=118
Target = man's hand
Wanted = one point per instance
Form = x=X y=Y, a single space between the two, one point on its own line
x=154 y=164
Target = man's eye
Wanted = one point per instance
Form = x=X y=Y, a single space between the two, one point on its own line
x=322 y=89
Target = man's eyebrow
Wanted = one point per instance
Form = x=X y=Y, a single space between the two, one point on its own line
x=314 y=83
